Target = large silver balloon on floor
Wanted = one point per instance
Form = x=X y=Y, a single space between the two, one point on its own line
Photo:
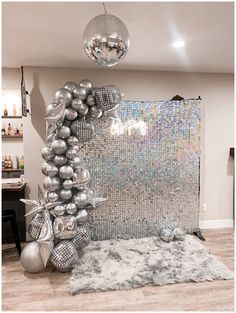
x=106 y=40
x=31 y=259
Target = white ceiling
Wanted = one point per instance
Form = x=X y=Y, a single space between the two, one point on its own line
x=50 y=34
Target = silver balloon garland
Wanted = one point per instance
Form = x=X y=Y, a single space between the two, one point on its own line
x=60 y=215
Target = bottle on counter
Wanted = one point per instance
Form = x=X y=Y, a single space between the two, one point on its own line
x=3 y=162
x=22 y=162
x=5 y=112
x=3 y=132
x=21 y=129
x=17 y=131
x=9 y=130
x=14 y=110
x=17 y=162
x=10 y=162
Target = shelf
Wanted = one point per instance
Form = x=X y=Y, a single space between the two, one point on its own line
x=12 y=170
x=12 y=116
x=12 y=137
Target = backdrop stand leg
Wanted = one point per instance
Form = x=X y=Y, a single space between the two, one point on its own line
x=199 y=235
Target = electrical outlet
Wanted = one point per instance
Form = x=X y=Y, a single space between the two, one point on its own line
x=204 y=207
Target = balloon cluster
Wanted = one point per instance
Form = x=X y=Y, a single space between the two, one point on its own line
x=60 y=216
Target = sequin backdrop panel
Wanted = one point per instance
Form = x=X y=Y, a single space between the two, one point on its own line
x=147 y=164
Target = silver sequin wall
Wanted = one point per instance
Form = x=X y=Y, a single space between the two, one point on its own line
x=147 y=162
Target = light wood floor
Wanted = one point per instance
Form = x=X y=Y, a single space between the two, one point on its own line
x=48 y=291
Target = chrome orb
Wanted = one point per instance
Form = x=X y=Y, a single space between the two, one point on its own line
x=106 y=40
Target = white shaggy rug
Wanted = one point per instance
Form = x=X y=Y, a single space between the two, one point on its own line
x=124 y=264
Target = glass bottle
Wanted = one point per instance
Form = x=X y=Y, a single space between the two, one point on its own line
x=14 y=110
x=9 y=130
x=10 y=162
x=21 y=129
x=5 y=112
x=17 y=162
x=3 y=132
x=3 y=162
x=22 y=162
x=6 y=162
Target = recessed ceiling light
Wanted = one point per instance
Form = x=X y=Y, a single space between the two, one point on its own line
x=178 y=44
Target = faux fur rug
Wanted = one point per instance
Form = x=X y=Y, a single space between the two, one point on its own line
x=124 y=264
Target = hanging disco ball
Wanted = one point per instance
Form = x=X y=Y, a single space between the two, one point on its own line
x=106 y=40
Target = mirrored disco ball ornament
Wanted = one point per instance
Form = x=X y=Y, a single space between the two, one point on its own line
x=82 y=129
x=106 y=40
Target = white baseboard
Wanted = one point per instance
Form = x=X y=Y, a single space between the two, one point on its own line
x=216 y=224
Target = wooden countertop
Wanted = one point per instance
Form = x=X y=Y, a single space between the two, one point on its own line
x=13 y=186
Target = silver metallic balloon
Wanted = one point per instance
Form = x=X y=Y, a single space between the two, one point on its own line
x=59 y=146
x=107 y=97
x=82 y=216
x=95 y=112
x=67 y=184
x=80 y=199
x=179 y=233
x=90 y=100
x=70 y=114
x=47 y=153
x=79 y=92
x=31 y=259
x=87 y=85
x=35 y=226
x=70 y=86
x=66 y=172
x=82 y=177
x=65 y=194
x=106 y=40
x=83 y=238
x=63 y=132
x=63 y=95
x=50 y=108
x=71 y=153
x=52 y=196
x=44 y=167
x=60 y=160
x=166 y=234
x=49 y=168
x=64 y=256
x=82 y=129
x=50 y=138
x=82 y=109
x=65 y=227
x=51 y=183
x=58 y=210
x=76 y=103
x=75 y=162
x=72 y=141
x=71 y=208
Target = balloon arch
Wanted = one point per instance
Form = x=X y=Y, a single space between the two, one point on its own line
x=59 y=224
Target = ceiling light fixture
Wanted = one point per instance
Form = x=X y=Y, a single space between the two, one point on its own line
x=178 y=44
x=106 y=39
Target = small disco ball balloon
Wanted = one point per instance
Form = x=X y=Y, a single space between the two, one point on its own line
x=106 y=40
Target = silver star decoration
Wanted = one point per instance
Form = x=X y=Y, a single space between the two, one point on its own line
x=40 y=205
x=55 y=118
x=94 y=201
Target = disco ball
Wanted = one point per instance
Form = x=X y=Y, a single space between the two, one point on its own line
x=106 y=40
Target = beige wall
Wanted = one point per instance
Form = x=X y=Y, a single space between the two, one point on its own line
x=217 y=95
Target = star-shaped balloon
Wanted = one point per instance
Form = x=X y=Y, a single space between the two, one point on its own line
x=94 y=200
x=55 y=118
x=40 y=205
